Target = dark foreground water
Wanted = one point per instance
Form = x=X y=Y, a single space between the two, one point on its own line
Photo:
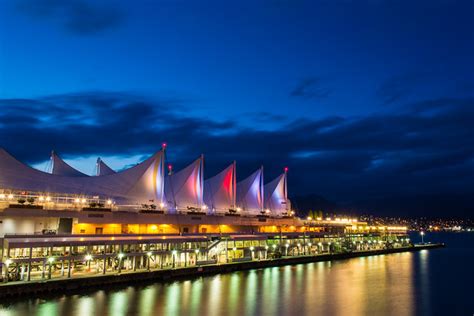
x=435 y=282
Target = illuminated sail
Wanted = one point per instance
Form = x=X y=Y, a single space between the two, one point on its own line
x=250 y=193
x=276 y=195
x=60 y=168
x=184 y=189
x=102 y=169
x=220 y=190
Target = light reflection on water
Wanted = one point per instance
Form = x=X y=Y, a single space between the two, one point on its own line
x=396 y=284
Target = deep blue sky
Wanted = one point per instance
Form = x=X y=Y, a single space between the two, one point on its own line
x=365 y=101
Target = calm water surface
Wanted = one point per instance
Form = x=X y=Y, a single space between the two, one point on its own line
x=436 y=282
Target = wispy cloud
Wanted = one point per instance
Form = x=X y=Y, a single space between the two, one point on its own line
x=82 y=17
x=310 y=88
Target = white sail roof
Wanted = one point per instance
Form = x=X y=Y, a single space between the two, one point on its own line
x=102 y=169
x=276 y=195
x=184 y=188
x=60 y=168
x=250 y=193
x=220 y=190
x=139 y=184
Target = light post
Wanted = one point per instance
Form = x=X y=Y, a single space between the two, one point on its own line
x=251 y=251
x=173 y=254
x=88 y=259
x=422 y=233
x=286 y=250
x=50 y=261
x=7 y=264
x=196 y=251
x=120 y=257
x=148 y=255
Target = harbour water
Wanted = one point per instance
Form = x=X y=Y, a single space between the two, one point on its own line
x=435 y=282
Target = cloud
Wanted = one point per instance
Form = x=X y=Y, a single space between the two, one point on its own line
x=310 y=88
x=428 y=147
x=82 y=17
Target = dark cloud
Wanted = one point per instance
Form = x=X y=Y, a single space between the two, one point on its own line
x=310 y=88
x=81 y=17
x=426 y=148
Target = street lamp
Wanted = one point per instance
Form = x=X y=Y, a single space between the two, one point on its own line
x=422 y=233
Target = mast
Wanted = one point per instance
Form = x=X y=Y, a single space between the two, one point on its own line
x=262 y=197
x=234 y=186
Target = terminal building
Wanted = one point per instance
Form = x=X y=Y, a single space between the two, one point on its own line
x=55 y=223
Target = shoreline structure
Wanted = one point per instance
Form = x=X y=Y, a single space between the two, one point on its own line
x=71 y=285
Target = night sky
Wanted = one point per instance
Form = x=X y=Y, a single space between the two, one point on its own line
x=369 y=103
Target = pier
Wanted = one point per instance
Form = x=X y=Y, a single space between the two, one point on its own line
x=77 y=262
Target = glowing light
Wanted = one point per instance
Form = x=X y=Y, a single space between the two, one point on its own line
x=162 y=205
x=109 y=202
x=170 y=167
x=234 y=248
x=10 y=196
x=287 y=245
x=204 y=207
x=164 y=145
x=8 y=262
x=285 y=169
x=83 y=201
x=274 y=246
x=2 y=196
x=267 y=211
x=422 y=233
x=50 y=260
x=149 y=253
x=81 y=239
x=48 y=198
x=309 y=244
x=266 y=247
x=174 y=252
x=77 y=200
x=120 y=255
x=88 y=257
x=238 y=209
x=196 y=251
x=309 y=218
x=252 y=248
x=41 y=198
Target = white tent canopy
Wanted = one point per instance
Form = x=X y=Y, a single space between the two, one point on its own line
x=102 y=169
x=60 y=168
x=184 y=188
x=140 y=184
x=276 y=195
x=220 y=190
x=250 y=193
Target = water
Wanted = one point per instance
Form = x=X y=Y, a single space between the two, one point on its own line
x=435 y=282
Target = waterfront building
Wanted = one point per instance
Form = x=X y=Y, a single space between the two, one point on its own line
x=63 y=223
